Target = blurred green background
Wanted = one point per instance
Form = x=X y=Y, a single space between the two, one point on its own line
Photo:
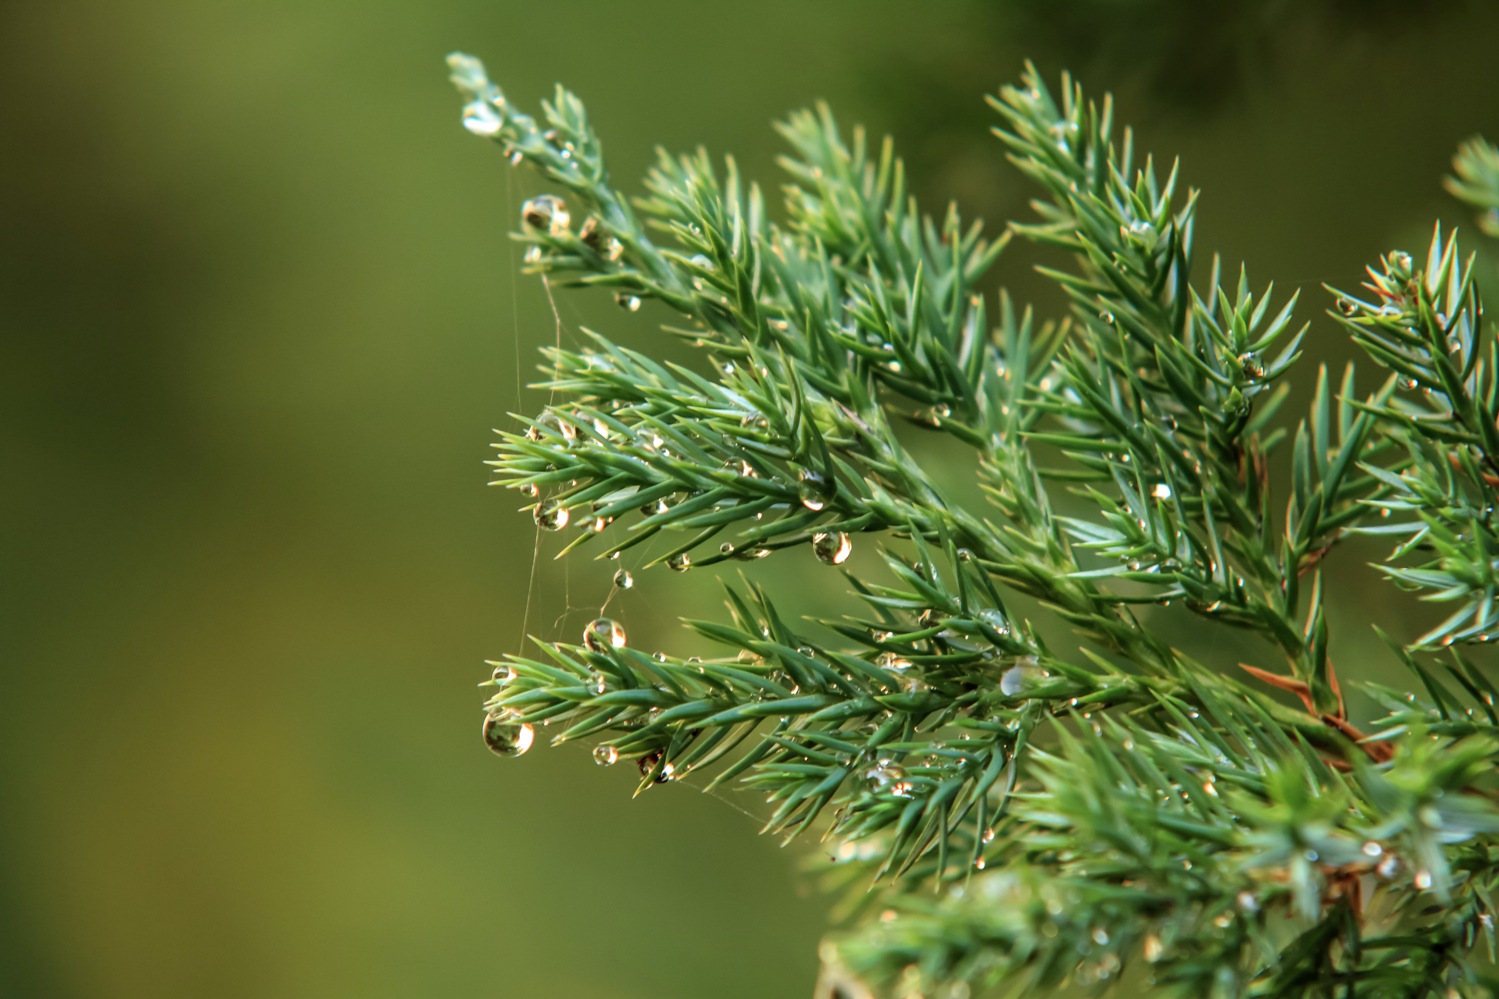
x=260 y=312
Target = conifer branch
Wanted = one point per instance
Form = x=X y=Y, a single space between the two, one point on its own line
x=1025 y=814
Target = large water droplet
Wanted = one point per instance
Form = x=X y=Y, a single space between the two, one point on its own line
x=681 y=562
x=814 y=490
x=604 y=633
x=1252 y=366
x=481 y=118
x=605 y=756
x=623 y=579
x=546 y=211
x=627 y=301
x=1161 y=491
x=505 y=737
x=831 y=548
x=503 y=673
x=551 y=515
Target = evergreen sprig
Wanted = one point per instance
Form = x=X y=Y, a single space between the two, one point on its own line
x=1001 y=811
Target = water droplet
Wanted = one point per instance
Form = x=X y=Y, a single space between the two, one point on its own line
x=1160 y=491
x=987 y=836
x=481 y=118
x=1223 y=920
x=680 y=562
x=502 y=673
x=546 y=211
x=605 y=756
x=602 y=634
x=533 y=254
x=623 y=579
x=1388 y=866
x=516 y=157
x=994 y=621
x=814 y=490
x=888 y=776
x=1101 y=937
x=932 y=416
x=1106 y=316
x=528 y=490
x=1348 y=307
x=505 y=737
x=551 y=515
x=1423 y=880
x=893 y=662
x=627 y=301
x=1252 y=366
x=831 y=548
x=965 y=555
x=1023 y=676
x=980 y=863
x=1153 y=948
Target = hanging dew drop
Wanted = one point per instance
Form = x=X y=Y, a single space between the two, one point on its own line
x=516 y=157
x=502 y=674
x=679 y=562
x=1161 y=491
x=605 y=756
x=1022 y=677
x=528 y=490
x=831 y=548
x=994 y=621
x=603 y=634
x=551 y=515
x=481 y=118
x=548 y=212
x=887 y=776
x=814 y=490
x=507 y=738
x=623 y=579
x=628 y=302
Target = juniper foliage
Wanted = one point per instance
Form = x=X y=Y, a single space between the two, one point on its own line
x=1005 y=814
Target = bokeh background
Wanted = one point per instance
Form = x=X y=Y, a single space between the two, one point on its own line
x=259 y=315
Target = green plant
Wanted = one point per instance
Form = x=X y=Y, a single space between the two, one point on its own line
x=1031 y=814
